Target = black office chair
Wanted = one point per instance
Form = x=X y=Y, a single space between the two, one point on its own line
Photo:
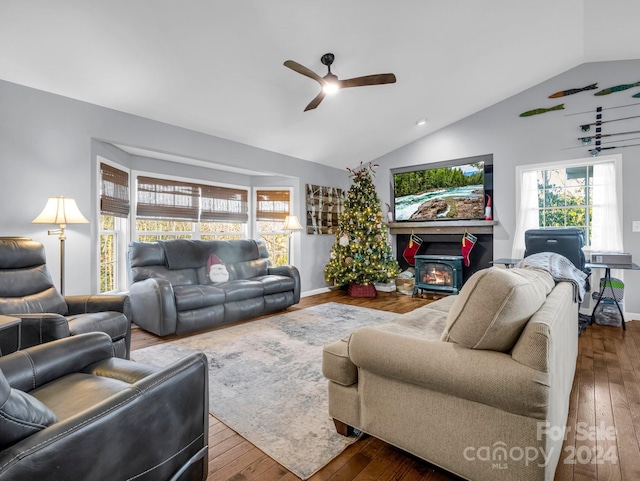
x=566 y=241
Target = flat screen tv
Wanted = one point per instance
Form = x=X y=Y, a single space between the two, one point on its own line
x=451 y=190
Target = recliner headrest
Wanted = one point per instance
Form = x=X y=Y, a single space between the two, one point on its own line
x=18 y=253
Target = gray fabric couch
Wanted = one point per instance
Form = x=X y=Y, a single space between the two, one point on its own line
x=468 y=382
x=171 y=291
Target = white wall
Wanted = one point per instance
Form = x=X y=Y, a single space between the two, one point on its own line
x=538 y=139
x=48 y=147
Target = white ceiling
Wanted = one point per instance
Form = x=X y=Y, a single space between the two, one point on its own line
x=217 y=67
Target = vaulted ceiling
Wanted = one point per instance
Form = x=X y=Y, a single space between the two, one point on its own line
x=217 y=67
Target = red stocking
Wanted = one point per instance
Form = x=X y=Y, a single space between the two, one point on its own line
x=468 y=241
x=412 y=249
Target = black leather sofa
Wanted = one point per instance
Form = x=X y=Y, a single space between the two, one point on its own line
x=70 y=410
x=27 y=292
x=171 y=292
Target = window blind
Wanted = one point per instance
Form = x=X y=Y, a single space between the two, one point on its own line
x=224 y=204
x=114 y=191
x=272 y=205
x=167 y=199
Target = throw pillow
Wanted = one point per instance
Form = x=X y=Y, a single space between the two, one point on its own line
x=216 y=270
x=494 y=305
x=21 y=415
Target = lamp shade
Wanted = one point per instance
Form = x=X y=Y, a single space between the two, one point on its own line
x=60 y=210
x=291 y=223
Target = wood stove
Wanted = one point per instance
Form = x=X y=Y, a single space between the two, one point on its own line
x=436 y=273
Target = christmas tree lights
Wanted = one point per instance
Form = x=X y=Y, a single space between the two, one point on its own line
x=361 y=253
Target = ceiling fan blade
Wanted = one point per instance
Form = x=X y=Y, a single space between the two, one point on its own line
x=316 y=101
x=383 y=78
x=296 y=67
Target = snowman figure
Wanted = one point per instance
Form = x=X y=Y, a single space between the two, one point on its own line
x=217 y=270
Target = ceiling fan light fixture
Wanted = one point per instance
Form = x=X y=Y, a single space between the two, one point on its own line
x=330 y=88
x=330 y=83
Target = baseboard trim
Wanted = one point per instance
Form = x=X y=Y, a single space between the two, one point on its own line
x=314 y=292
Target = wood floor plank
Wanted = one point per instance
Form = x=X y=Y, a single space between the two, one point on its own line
x=237 y=465
x=606 y=388
x=217 y=463
x=385 y=457
x=358 y=462
x=336 y=464
x=605 y=444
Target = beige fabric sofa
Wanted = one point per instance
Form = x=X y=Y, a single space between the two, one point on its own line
x=477 y=384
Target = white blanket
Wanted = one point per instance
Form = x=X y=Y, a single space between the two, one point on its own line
x=560 y=268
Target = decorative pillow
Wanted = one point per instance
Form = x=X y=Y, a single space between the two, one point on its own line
x=216 y=270
x=21 y=415
x=494 y=305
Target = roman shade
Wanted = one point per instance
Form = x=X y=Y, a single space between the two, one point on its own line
x=114 y=191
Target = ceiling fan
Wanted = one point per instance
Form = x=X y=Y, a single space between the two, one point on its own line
x=330 y=82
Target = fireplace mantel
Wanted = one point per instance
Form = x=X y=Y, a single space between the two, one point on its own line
x=443 y=227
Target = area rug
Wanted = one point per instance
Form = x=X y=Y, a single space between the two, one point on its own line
x=266 y=383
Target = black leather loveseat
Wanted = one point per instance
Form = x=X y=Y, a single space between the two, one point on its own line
x=171 y=291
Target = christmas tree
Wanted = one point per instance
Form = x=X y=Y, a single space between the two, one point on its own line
x=361 y=253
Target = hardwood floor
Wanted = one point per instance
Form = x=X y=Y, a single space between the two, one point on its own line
x=602 y=442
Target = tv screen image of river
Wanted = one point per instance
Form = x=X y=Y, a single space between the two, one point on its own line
x=443 y=193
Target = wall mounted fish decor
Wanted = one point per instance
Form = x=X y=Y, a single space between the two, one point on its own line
x=564 y=93
x=617 y=88
x=529 y=113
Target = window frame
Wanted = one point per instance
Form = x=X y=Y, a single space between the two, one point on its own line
x=259 y=233
x=616 y=159
x=121 y=232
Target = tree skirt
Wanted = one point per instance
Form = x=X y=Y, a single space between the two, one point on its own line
x=266 y=382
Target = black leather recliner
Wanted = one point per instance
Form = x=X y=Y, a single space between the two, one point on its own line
x=70 y=410
x=27 y=292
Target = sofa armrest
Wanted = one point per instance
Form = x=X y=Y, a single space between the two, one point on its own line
x=289 y=271
x=30 y=368
x=165 y=411
x=42 y=327
x=85 y=304
x=153 y=306
x=483 y=376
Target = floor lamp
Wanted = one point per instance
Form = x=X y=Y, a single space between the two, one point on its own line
x=61 y=211
x=291 y=224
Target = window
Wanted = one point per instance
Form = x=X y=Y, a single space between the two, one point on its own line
x=582 y=194
x=114 y=211
x=172 y=209
x=564 y=198
x=272 y=206
x=224 y=213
